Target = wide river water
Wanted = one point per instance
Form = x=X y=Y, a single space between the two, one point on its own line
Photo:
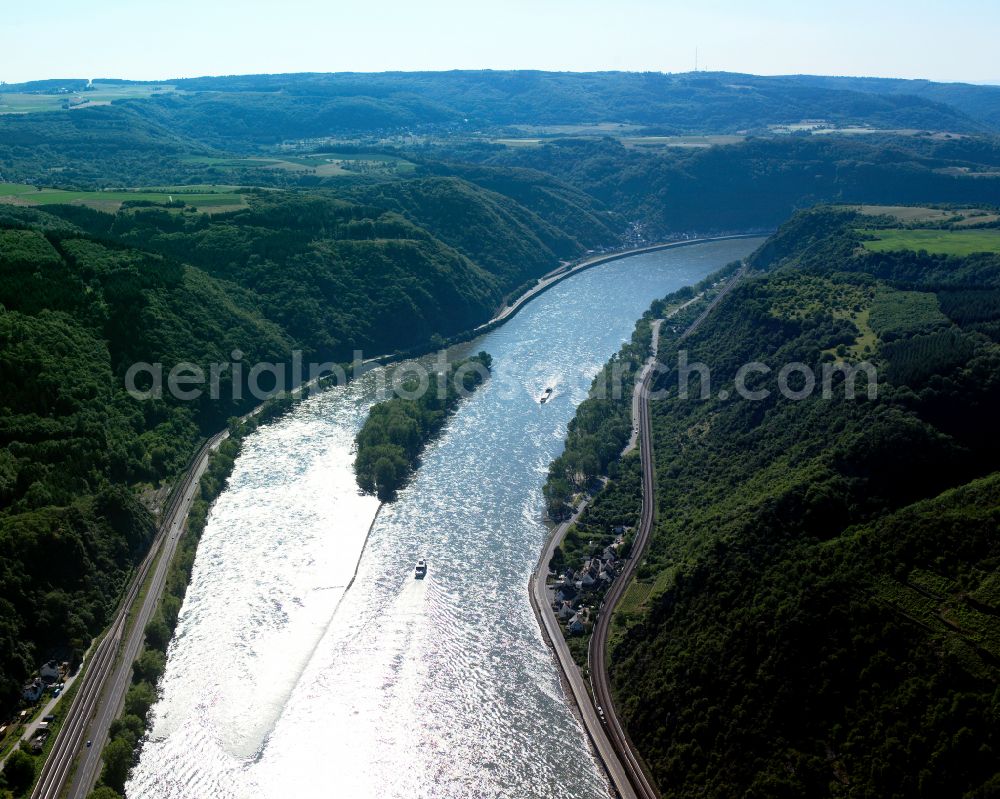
x=279 y=683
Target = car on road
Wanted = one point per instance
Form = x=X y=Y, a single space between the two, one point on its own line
x=89 y=744
x=49 y=718
x=56 y=692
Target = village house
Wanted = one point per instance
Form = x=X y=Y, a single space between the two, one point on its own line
x=49 y=672
x=32 y=691
x=576 y=625
x=565 y=592
x=586 y=581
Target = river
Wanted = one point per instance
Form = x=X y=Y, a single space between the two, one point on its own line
x=281 y=684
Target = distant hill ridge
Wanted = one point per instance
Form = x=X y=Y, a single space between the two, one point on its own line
x=263 y=108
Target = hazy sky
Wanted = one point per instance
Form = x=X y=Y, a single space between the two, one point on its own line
x=148 y=39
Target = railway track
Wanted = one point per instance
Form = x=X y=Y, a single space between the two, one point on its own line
x=104 y=662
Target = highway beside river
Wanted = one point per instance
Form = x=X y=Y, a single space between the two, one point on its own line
x=108 y=672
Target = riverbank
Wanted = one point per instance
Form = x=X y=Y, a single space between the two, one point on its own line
x=541 y=597
x=596 y=705
x=557 y=276
x=169 y=560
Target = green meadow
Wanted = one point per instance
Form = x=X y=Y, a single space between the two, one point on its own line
x=206 y=200
x=937 y=242
x=98 y=94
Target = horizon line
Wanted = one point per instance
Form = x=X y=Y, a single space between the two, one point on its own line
x=991 y=83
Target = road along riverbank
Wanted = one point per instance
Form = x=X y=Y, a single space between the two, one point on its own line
x=597 y=707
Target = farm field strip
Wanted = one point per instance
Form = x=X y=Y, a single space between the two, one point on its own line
x=19 y=194
x=936 y=242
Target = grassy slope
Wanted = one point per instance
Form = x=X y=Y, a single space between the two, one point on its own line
x=939 y=242
x=19 y=193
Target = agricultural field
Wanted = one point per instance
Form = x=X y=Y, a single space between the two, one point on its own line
x=824 y=128
x=519 y=142
x=635 y=596
x=318 y=164
x=936 y=242
x=864 y=345
x=208 y=199
x=971 y=219
x=623 y=134
x=968 y=172
x=591 y=129
x=636 y=602
x=97 y=94
x=916 y=214
x=686 y=142
x=939 y=604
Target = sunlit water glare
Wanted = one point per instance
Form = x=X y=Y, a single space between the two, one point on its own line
x=279 y=684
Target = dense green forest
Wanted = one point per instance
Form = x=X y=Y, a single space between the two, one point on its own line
x=581 y=188
x=682 y=102
x=937 y=143
x=817 y=612
x=541 y=220
x=398 y=429
x=600 y=429
x=191 y=135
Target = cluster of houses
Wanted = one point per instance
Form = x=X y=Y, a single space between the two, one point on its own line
x=573 y=590
x=48 y=673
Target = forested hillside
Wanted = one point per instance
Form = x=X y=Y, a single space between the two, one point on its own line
x=85 y=294
x=684 y=102
x=759 y=183
x=967 y=98
x=366 y=137
x=190 y=133
x=99 y=147
x=538 y=220
x=818 y=611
